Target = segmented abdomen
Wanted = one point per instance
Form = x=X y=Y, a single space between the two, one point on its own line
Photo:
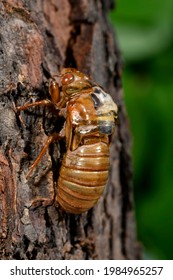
x=83 y=176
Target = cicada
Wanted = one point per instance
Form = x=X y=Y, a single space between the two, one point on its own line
x=90 y=118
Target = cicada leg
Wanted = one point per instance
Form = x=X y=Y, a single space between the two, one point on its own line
x=54 y=92
x=51 y=138
x=44 y=102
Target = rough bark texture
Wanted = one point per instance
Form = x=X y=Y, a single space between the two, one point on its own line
x=38 y=38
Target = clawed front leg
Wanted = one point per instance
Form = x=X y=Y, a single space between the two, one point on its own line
x=54 y=94
x=44 y=102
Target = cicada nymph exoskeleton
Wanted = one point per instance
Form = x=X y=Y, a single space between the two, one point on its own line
x=90 y=115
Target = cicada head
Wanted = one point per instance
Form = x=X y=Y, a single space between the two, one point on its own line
x=74 y=82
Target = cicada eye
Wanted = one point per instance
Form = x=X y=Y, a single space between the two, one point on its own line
x=67 y=79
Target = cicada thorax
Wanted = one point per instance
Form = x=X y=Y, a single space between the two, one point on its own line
x=85 y=167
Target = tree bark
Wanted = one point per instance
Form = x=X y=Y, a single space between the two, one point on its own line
x=37 y=39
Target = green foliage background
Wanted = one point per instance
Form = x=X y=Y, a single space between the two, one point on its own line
x=145 y=34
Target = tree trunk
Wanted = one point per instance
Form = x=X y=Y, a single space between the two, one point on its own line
x=37 y=39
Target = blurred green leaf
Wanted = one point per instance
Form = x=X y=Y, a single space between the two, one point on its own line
x=143 y=29
x=145 y=32
x=139 y=42
x=146 y=12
